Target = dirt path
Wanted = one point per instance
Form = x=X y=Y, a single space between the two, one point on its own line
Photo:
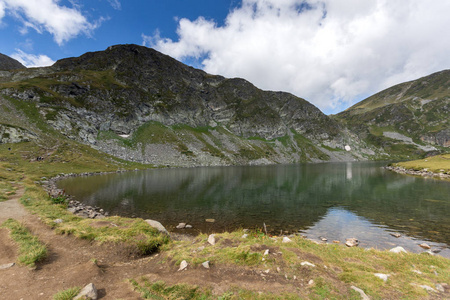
x=74 y=262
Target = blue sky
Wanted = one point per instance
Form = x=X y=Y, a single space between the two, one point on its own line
x=333 y=53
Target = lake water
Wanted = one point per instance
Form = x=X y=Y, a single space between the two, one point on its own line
x=332 y=200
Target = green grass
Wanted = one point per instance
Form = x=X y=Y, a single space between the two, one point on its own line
x=160 y=290
x=68 y=294
x=337 y=267
x=436 y=164
x=31 y=250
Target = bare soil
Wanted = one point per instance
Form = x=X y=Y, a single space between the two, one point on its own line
x=74 y=262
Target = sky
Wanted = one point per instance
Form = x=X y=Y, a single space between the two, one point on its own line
x=332 y=53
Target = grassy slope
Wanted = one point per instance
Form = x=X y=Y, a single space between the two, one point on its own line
x=436 y=164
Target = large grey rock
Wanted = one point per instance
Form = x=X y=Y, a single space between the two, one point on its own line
x=157 y=225
x=88 y=292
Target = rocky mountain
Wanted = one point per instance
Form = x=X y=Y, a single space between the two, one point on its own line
x=406 y=119
x=8 y=63
x=138 y=104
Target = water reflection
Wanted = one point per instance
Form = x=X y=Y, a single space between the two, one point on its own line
x=288 y=197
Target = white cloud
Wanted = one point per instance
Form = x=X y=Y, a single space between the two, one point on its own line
x=331 y=52
x=115 y=4
x=62 y=22
x=31 y=60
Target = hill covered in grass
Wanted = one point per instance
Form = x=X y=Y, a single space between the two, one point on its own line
x=412 y=117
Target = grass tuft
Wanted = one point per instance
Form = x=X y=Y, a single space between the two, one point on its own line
x=31 y=250
x=68 y=294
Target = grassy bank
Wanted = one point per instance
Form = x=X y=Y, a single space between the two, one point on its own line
x=306 y=269
x=436 y=164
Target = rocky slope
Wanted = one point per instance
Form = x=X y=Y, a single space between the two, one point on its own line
x=8 y=63
x=411 y=117
x=138 y=104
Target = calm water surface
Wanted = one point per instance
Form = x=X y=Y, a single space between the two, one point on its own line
x=333 y=200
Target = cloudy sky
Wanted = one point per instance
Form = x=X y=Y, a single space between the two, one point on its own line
x=333 y=53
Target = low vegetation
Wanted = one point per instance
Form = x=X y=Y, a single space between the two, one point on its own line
x=31 y=250
x=68 y=294
x=436 y=164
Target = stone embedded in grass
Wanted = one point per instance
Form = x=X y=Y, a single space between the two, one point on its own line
x=157 y=225
x=212 y=239
x=58 y=221
x=88 y=292
x=311 y=282
x=398 y=249
x=306 y=263
x=351 y=242
x=382 y=276
x=361 y=292
x=425 y=246
x=244 y=236
x=206 y=264
x=183 y=265
x=286 y=240
x=266 y=252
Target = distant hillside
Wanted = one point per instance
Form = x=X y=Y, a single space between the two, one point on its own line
x=138 y=104
x=8 y=63
x=411 y=117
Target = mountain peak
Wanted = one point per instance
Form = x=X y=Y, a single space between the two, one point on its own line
x=8 y=63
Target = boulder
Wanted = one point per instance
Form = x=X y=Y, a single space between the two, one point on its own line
x=351 y=242
x=212 y=239
x=157 y=225
x=88 y=292
x=398 y=249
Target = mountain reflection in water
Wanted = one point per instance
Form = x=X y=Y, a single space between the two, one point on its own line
x=359 y=200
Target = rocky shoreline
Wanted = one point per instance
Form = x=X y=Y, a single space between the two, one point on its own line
x=74 y=206
x=423 y=173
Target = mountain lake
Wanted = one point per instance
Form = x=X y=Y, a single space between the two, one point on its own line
x=335 y=201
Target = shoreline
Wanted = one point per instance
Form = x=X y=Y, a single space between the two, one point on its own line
x=423 y=173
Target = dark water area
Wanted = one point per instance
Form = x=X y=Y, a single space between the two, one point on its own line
x=333 y=200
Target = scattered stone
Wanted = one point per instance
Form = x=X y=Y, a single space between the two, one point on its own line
x=417 y=271
x=244 y=236
x=323 y=239
x=181 y=225
x=361 y=292
x=440 y=288
x=427 y=287
x=245 y=230
x=201 y=248
x=429 y=252
x=278 y=269
x=351 y=242
x=157 y=225
x=210 y=220
x=58 y=221
x=305 y=263
x=206 y=264
x=6 y=266
x=88 y=292
x=212 y=239
x=425 y=246
x=398 y=249
x=383 y=277
x=267 y=271
x=183 y=265
x=266 y=252
x=188 y=226
x=397 y=235
x=336 y=242
x=311 y=282
x=286 y=240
